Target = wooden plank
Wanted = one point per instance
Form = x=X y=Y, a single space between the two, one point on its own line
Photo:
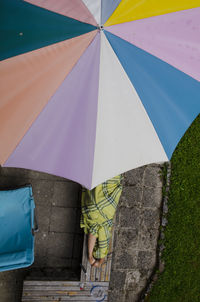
x=53 y=283
x=98 y=275
x=92 y=274
x=50 y=289
x=63 y=298
x=108 y=270
x=59 y=283
x=58 y=293
x=66 y=288
x=60 y=290
x=103 y=271
x=58 y=300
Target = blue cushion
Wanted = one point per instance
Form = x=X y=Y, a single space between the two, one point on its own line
x=16 y=223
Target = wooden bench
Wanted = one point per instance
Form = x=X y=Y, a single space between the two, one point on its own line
x=76 y=291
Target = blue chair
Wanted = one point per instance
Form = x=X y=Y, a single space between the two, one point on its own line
x=17 y=226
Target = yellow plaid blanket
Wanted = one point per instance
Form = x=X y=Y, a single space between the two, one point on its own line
x=98 y=208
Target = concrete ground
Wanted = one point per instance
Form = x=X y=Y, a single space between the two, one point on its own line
x=58 y=245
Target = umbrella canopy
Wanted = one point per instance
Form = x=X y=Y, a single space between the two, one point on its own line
x=93 y=88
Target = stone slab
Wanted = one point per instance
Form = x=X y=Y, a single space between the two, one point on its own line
x=146 y=262
x=152 y=197
x=43 y=192
x=63 y=220
x=134 y=177
x=60 y=245
x=118 y=280
x=126 y=238
x=131 y=196
x=116 y=295
x=129 y=217
x=41 y=245
x=147 y=238
x=58 y=262
x=150 y=218
x=131 y=296
x=152 y=176
x=78 y=246
x=125 y=260
x=43 y=215
x=66 y=194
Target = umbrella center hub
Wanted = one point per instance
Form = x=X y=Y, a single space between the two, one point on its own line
x=101 y=28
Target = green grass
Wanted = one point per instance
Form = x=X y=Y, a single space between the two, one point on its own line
x=180 y=280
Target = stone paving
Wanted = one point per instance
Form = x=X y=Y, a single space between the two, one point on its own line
x=58 y=245
x=136 y=233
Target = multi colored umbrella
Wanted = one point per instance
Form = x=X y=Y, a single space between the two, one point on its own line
x=93 y=88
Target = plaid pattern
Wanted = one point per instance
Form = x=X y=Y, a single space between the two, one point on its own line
x=98 y=208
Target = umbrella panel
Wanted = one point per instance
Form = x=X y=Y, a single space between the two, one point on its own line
x=107 y=8
x=174 y=38
x=170 y=97
x=28 y=81
x=26 y=27
x=74 y=9
x=61 y=140
x=128 y=11
x=94 y=7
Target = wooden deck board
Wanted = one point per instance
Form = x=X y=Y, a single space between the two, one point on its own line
x=56 y=299
x=58 y=284
x=53 y=291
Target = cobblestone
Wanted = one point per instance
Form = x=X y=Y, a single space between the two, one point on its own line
x=136 y=233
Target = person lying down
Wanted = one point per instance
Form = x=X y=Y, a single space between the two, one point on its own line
x=98 y=207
